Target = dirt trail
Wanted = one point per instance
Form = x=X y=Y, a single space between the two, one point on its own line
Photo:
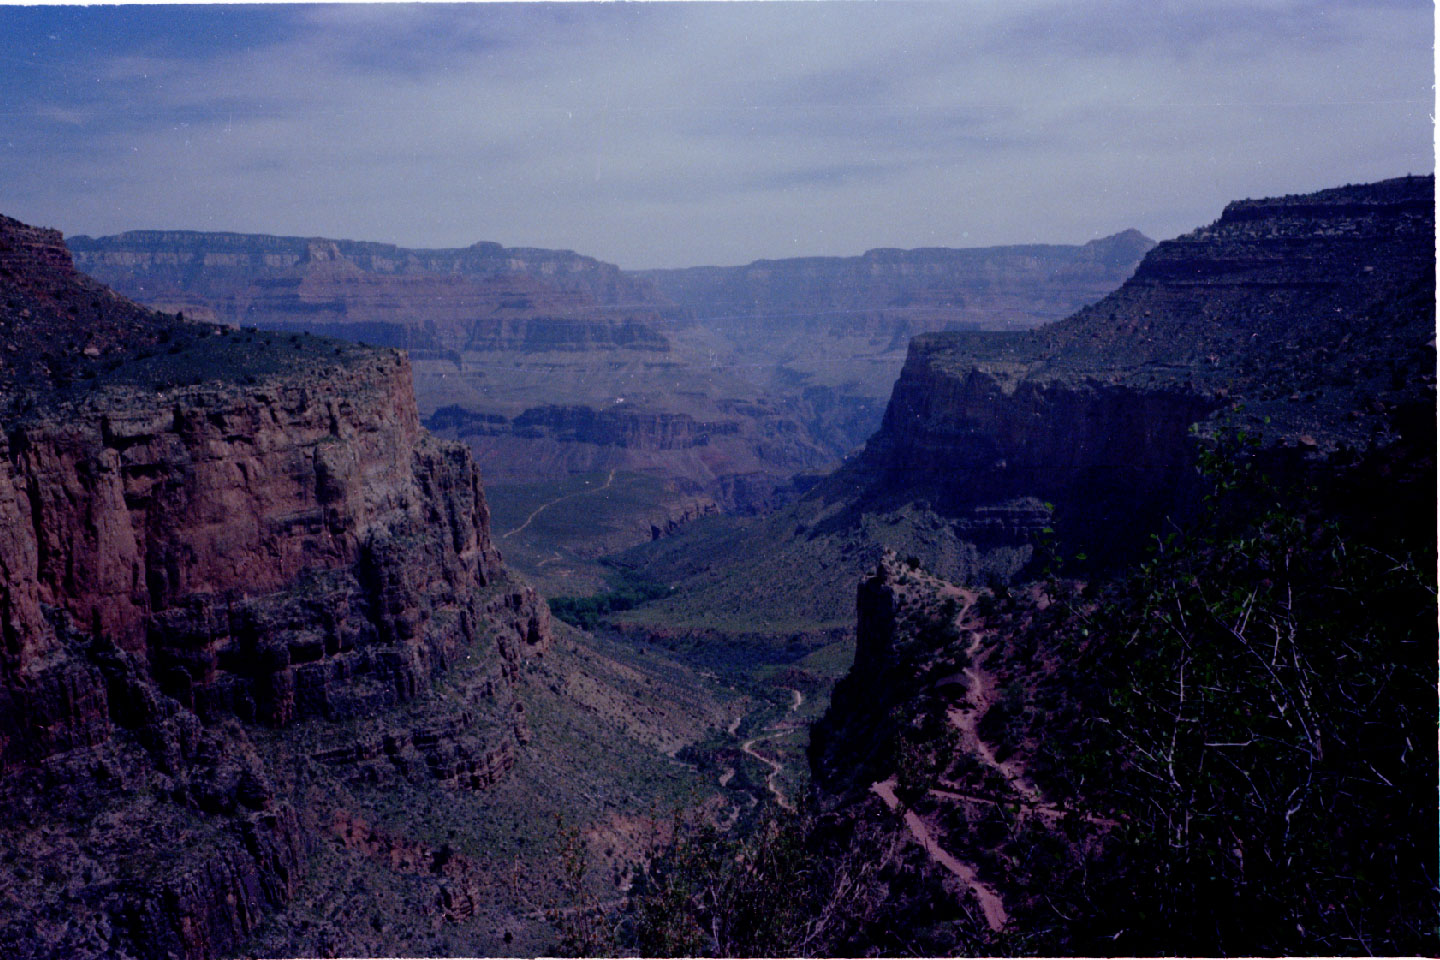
x=777 y=729
x=775 y=767
x=980 y=689
x=1045 y=809
x=980 y=692
x=550 y=503
x=990 y=903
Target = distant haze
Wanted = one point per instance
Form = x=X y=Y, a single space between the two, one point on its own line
x=660 y=135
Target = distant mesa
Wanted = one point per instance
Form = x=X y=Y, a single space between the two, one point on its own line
x=480 y=297
x=986 y=287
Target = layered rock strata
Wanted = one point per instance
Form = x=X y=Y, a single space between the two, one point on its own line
x=1304 y=320
x=996 y=287
x=1294 y=338
x=484 y=296
x=549 y=364
x=206 y=537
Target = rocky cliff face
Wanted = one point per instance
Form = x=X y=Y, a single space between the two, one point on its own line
x=45 y=343
x=1303 y=319
x=774 y=369
x=208 y=536
x=737 y=454
x=482 y=297
x=1054 y=747
x=547 y=364
x=1313 y=332
x=175 y=257
x=1005 y=456
x=997 y=287
x=904 y=642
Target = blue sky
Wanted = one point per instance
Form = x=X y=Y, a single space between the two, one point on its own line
x=654 y=134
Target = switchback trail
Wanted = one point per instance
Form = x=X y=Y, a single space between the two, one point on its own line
x=990 y=903
x=980 y=694
x=980 y=690
x=550 y=503
x=775 y=767
x=777 y=729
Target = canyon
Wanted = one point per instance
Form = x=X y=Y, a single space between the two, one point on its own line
x=266 y=684
x=708 y=389
x=1302 y=321
x=249 y=607
x=1055 y=737
x=989 y=712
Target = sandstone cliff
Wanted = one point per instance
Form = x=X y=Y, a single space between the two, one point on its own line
x=203 y=535
x=1306 y=320
x=722 y=384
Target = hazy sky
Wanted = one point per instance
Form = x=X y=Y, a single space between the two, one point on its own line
x=654 y=134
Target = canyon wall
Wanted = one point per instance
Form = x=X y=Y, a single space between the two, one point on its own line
x=1058 y=746
x=482 y=297
x=1301 y=320
x=722 y=383
x=995 y=287
x=205 y=535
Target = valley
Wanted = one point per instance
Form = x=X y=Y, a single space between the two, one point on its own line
x=718 y=480
x=540 y=633
x=711 y=389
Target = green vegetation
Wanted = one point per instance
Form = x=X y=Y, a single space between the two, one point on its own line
x=1257 y=713
x=555 y=533
x=191 y=356
x=586 y=612
x=832 y=661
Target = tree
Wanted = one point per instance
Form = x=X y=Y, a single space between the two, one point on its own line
x=1266 y=703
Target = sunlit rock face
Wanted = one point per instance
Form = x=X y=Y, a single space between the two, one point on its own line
x=205 y=534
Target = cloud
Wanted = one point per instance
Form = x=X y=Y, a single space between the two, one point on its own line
x=668 y=134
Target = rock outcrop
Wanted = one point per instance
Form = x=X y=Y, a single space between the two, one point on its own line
x=1106 y=762
x=1305 y=320
x=205 y=535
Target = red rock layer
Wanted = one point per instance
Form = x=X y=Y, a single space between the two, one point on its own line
x=227 y=531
